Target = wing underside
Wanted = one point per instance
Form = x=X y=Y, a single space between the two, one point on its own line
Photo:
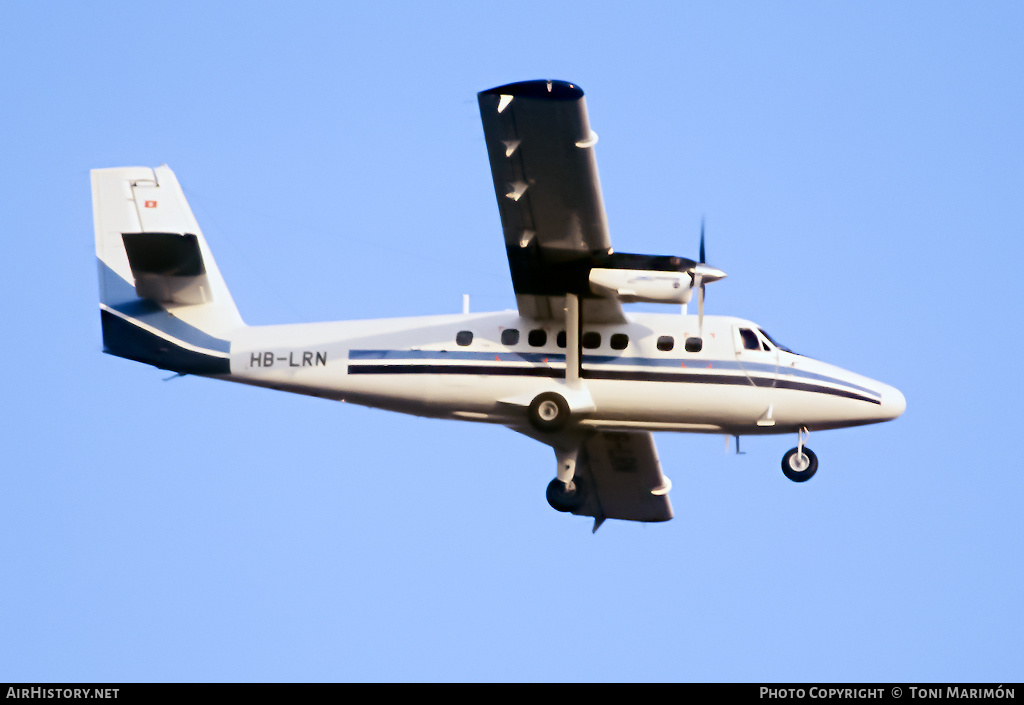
x=623 y=469
x=541 y=151
x=619 y=472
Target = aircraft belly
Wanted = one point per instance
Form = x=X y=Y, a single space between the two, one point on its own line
x=709 y=406
x=472 y=397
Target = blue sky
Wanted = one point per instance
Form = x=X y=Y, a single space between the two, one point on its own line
x=860 y=168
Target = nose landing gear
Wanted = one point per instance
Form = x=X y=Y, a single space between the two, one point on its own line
x=799 y=464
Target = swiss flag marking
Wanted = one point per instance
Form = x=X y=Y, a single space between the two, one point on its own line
x=150 y=204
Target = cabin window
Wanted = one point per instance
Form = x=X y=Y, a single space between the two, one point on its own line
x=510 y=336
x=750 y=341
x=666 y=343
x=591 y=339
x=620 y=341
x=560 y=339
x=464 y=337
x=537 y=337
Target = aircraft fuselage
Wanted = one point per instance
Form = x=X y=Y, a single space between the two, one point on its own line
x=487 y=367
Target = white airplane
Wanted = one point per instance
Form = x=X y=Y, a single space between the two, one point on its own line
x=570 y=368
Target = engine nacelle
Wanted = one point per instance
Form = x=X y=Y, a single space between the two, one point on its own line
x=636 y=285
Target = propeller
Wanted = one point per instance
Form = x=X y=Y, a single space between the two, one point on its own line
x=702 y=274
x=698 y=281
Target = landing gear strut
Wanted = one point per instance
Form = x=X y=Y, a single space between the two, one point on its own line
x=567 y=491
x=549 y=413
x=799 y=464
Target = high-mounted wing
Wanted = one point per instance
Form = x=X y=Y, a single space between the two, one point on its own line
x=624 y=477
x=541 y=150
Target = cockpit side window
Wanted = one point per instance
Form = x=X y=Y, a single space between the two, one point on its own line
x=774 y=342
x=750 y=341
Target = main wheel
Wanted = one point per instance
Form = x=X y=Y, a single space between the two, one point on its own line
x=549 y=412
x=800 y=467
x=564 y=501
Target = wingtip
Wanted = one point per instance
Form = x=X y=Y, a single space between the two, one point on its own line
x=539 y=88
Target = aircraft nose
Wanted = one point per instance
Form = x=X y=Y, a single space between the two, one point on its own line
x=893 y=402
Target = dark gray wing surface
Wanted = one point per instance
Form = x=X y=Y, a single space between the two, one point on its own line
x=625 y=476
x=619 y=470
x=541 y=151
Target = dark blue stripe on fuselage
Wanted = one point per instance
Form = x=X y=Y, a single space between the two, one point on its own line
x=783 y=376
x=606 y=374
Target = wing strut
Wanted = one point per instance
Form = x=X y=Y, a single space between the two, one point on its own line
x=573 y=380
x=573 y=344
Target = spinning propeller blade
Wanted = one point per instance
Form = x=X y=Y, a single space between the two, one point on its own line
x=702 y=260
x=702 y=274
x=698 y=282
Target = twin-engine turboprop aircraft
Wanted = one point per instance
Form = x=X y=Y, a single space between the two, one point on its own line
x=570 y=368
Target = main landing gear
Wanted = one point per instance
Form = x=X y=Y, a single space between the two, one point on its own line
x=549 y=412
x=568 y=491
x=565 y=500
x=799 y=464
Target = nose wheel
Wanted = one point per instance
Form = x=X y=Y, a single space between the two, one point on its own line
x=799 y=464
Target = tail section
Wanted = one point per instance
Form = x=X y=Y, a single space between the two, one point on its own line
x=162 y=298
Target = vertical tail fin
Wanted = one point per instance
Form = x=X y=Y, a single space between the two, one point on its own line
x=162 y=298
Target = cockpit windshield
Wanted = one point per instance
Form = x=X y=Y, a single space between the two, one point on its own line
x=773 y=342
